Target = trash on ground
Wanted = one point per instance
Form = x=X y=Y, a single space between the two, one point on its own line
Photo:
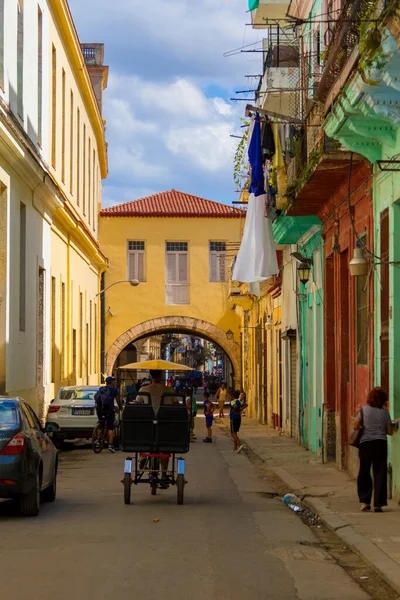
x=364 y=577
x=295 y=507
x=290 y=499
x=156 y=520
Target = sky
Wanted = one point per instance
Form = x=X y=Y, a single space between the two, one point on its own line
x=167 y=105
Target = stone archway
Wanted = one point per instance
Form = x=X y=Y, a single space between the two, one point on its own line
x=179 y=324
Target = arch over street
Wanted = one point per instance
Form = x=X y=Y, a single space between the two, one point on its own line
x=177 y=324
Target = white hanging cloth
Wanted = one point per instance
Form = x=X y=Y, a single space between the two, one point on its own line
x=256 y=260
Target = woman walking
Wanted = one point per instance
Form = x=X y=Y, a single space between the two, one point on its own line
x=376 y=426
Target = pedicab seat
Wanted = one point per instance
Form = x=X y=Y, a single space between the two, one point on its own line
x=137 y=427
x=173 y=429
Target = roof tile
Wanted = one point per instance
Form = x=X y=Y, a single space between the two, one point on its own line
x=173 y=204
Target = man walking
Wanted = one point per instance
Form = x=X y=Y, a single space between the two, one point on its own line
x=236 y=420
x=104 y=399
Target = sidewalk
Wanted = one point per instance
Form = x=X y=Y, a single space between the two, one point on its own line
x=332 y=495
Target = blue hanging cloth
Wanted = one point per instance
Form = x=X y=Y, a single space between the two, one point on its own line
x=253 y=4
x=256 y=162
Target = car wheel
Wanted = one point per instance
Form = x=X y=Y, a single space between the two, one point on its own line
x=49 y=494
x=29 y=504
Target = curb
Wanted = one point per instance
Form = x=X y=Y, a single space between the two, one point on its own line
x=378 y=560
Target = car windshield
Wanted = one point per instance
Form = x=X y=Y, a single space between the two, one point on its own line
x=77 y=394
x=8 y=413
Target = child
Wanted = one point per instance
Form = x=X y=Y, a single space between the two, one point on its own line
x=208 y=412
x=236 y=420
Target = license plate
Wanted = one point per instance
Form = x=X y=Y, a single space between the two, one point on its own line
x=82 y=411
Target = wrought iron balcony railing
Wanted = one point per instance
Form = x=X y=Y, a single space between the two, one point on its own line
x=345 y=36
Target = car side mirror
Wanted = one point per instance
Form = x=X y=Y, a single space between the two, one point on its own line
x=51 y=428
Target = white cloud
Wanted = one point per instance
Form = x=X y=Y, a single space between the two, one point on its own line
x=168 y=116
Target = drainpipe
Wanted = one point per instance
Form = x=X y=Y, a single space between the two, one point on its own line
x=102 y=328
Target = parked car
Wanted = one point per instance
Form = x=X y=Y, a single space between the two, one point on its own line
x=28 y=458
x=74 y=411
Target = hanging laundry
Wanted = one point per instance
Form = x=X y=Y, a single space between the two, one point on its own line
x=268 y=142
x=256 y=259
x=279 y=166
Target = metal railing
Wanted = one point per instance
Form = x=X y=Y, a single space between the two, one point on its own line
x=344 y=37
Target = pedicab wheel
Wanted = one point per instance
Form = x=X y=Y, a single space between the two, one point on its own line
x=127 y=488
x=180 y=485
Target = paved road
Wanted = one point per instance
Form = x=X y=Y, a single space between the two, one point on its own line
x=230 y=541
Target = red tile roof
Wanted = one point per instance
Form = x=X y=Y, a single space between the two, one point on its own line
x=173 y=204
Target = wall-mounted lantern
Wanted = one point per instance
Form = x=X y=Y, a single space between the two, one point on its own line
x=269 y=324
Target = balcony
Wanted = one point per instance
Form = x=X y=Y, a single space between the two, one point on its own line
x=278 y=90
x=318 y=170
x=267 y=9
x=344 y=36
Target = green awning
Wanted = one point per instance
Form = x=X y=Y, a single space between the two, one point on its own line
x=253 y=4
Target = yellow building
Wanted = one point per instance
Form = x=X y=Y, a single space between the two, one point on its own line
x=52 y=161
x=78 y=163
x=179 y=247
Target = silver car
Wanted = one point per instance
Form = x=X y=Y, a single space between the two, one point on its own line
x=74 y=411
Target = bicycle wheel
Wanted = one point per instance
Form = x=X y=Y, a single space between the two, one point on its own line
x=127 y=488
x=180 y=485
x=98 y=438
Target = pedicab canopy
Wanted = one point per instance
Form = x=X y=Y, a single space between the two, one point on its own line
x=156 y=365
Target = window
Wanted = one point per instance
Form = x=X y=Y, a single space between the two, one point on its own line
x=362 y=319
x=84 y=171
x=80 y=333
x=40 y=75
x=63 y=127
x=53 y=329
x=78 y=155
x=177 y=279
x=217 y=263
x=62 y=334
x=74 y=354
x=54 y=108
x=22 y=266
x=89 y=181
x=20 y=59
x=36 y=423
x=28 y=416
x=136 y=261
x=2 y=44
x=71 y=143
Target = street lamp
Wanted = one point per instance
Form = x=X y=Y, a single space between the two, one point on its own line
x=132 y=282
x=229 y=335
x=358 y=265
x=304 y=270
x=269 y=324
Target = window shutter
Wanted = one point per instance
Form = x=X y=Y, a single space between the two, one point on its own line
x=213 y=267
x=171 y=268
x=221 y=267
x=140 y=267
x=182 y=268
x=132 y=265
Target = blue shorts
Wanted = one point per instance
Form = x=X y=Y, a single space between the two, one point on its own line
x=209 y=420
x=108 y=416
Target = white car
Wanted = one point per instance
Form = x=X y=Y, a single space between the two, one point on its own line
x=74 y=411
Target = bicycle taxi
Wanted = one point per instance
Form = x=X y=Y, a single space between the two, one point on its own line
x=152 y=439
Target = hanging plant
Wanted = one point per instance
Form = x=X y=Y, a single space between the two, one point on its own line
x=239 y=155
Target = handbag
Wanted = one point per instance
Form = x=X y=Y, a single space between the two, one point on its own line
x=356 y=434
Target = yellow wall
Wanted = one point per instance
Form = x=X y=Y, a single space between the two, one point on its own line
x=76 y=260
x=131 y=306
x=78 y=174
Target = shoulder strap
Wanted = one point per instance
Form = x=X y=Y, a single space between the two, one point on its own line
x=362 y=417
